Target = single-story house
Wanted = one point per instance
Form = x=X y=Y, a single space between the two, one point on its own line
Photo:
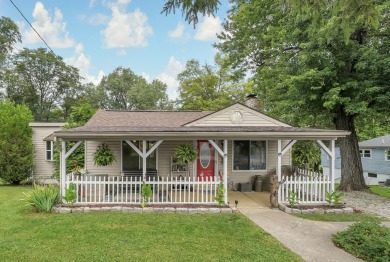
x=375 y=155
x=234 y=144
x=42 y=136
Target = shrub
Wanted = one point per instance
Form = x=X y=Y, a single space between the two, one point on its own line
x=369 y=241
x=70 y=194
x=16 y=147
x=43 y=198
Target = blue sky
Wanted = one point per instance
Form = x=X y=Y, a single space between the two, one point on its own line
x=97 y=36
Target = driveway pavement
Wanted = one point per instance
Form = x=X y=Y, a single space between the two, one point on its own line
x=309 y=239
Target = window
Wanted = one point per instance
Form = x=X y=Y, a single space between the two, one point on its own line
x=132 y=161
x=249 y=155
x=49 y=150
x=387 y=155
x=365 y=153
x=372 y=175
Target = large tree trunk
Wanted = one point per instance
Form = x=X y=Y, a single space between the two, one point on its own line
x=351 y=164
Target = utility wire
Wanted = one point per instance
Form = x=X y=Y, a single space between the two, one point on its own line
x=31 y=25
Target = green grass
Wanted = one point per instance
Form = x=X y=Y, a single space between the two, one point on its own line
x=355 y=217
x=380 y=190
x=28 y=236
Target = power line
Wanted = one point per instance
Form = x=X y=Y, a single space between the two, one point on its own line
x=31 y=25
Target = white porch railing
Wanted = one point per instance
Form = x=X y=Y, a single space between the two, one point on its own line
x=100 y=189
x=309 y=186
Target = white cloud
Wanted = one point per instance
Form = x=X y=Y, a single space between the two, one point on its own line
x=208 y=28
x=52 y=30
x=99 y=19
x=91 y=3
x=126 y=29
x=177 y=32
x=83 y=63
x=169 y=76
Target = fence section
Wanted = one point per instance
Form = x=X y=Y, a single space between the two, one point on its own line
x=98 y=189
x=309 y=187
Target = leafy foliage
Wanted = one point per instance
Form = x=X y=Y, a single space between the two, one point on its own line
x=306 y=154
x=70 y=194
x=293 y=198
x=9 y=35
x=103 y=155
x=186 y=153
x=123 y=89
x=220 y=194
x=309 y=75
x=333 y=198
x=190 y=9
x=41 y=80
x=366 y=240
x=16 y=147
x=43 y=198
x=146 y=193
x=206 y=87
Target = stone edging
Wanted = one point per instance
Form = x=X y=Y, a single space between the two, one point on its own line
x=345 y=210
x=180 y=210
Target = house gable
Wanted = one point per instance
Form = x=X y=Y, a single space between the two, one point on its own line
x=237 y=115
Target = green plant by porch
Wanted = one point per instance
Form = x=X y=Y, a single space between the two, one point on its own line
x=220 y=194
x=333 y=198
x=70 y=195
x=146 y=193
x=186 y=153
x=103 y=155
x=43 y=198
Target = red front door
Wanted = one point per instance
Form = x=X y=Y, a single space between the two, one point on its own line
x=205 y=162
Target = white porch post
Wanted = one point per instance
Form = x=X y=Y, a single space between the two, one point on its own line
x=279 y=166
x=144 y=160
x=224 y=154
x=225 y=170
x=63 y=167
x=331 y=152
x=332 y=164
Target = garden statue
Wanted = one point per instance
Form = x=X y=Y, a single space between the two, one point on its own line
x=273 y=198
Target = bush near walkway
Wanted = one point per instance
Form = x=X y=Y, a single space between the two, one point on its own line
x=369 y=241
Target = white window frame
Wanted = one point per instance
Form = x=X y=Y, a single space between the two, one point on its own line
x=49 y=150
x=257 y=170
x=139 y=157
x=364 y=151
x=387 y=154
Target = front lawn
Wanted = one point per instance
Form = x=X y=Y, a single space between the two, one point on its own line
x=28 y=236
x=380 y=190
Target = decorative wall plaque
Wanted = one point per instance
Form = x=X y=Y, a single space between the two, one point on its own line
x=236 y=117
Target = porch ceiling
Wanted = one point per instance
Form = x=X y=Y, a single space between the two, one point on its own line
x=209 y=132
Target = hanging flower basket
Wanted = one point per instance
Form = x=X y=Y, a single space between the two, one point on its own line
x=103 y=155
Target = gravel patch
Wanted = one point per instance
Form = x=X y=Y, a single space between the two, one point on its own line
x=368 y=202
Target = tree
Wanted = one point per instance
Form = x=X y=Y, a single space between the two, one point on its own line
x=16 y=147
x=153 y=96
x=9 y=35
x=123 y=89
x=204 y=87
x=307 y=72
x=41 y=80
x=190 y=9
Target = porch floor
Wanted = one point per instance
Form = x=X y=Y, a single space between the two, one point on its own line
x=249 y=199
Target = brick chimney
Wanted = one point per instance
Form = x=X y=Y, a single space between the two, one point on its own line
x=252 y=101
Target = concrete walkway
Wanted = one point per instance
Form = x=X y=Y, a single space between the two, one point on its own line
x=309 y=239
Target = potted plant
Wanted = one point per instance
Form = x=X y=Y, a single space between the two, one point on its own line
x=186 y=154
x=103 y=155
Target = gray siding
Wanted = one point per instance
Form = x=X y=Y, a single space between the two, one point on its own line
x=376 y=164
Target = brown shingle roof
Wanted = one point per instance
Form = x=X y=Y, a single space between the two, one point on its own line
x=111 y=118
